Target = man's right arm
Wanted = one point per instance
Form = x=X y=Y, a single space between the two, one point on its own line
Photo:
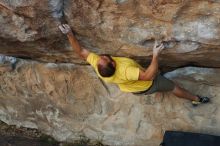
x=150 y=73
x=82 y=52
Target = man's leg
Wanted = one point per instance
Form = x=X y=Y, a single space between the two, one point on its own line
x=162 y=84
x=182 y=93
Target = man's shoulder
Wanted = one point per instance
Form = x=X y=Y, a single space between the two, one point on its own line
x=92 y=55
x=92 y=59
x=125 y=61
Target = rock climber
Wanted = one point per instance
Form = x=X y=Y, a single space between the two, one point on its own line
x=129 y=75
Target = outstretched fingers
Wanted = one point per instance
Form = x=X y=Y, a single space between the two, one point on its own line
x=65 y=28
x=161 y=47
x=155 y=43
x=60 y=27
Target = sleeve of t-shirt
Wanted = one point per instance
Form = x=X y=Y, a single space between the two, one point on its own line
x=132 y=73
x=92 y=59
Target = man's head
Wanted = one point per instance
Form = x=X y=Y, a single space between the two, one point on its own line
x=106 y=65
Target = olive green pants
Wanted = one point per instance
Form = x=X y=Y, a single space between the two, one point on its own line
x=160 y=84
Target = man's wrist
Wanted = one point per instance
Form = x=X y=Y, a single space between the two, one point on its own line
x=69 y=34
x=155 y=55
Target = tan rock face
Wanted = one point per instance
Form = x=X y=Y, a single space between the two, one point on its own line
x=119 y=27
x=68 y=101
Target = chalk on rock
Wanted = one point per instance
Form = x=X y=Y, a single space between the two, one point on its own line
x=7 y=59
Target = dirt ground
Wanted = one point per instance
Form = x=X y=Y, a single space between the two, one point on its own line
x=13 y=136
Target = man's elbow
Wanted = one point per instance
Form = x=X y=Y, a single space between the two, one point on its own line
x=149 y=78
x=146 y=77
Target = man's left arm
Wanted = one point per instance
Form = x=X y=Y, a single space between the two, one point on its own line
x=82 y=52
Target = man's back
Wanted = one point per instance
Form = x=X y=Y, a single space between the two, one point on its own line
x=125 y=76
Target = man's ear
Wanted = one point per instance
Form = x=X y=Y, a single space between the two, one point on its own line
x=113 y=63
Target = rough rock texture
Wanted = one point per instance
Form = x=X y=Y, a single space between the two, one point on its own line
x=119 y=27
x=69 y=101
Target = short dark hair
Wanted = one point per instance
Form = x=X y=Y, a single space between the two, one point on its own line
x=109 y=69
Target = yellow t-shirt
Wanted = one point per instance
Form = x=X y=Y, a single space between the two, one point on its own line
x=125 y=76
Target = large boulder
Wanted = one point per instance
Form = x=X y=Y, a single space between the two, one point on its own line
x=69 y=102
x=119 y=27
